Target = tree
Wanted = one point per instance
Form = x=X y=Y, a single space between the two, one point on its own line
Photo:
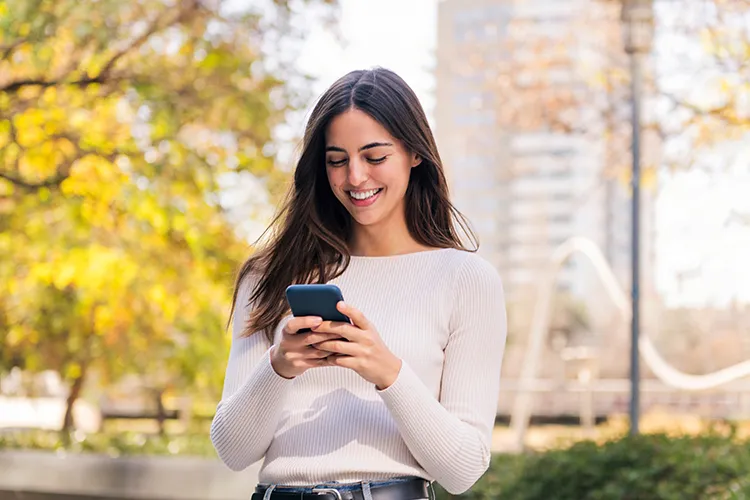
x=569 y=74
x=713 y=106
x=118 y=123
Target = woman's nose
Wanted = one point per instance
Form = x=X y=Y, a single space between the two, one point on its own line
x=358 y=173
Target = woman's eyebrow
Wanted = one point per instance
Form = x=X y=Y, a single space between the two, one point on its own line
x=363 y=148
x=375 y=145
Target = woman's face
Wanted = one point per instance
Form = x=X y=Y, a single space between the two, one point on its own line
x=367 y=168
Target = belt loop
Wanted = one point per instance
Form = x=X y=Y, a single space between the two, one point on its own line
x=269 y=490
x=431 y=491
x=366 y=493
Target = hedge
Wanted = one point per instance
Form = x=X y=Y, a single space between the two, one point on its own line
x=645 y=467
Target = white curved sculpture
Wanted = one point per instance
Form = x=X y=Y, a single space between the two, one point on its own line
x=540 y=325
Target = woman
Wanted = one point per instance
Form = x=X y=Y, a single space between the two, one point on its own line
x=407 y=394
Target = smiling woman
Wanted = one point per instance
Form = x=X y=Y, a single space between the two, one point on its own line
x=406 y=393
x=374 y=175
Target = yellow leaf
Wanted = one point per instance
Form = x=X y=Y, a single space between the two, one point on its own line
x=65 y=273
x=66 y=147
x=72 y=371
x=103 y=320
x=42 y=272
x=15 y=335
x=50 y=95
x=30 y=92
x=157 y=293
x=80 y=118
x=30 y=135
x=4 y=133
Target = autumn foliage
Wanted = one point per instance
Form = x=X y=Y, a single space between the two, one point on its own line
x=119 y=122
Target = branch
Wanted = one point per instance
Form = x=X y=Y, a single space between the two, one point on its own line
x=137 y=42
x=210 y=169
x=13 y=132
x=103 y=76
x=63 y=172
x=34 y=186
x=720 y=112
x=63 y=169
x=7 y=50
x=13 y=87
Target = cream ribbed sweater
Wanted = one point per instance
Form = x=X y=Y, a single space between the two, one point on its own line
x=442 y=312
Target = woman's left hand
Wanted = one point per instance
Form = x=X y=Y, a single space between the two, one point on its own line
x=363 y=350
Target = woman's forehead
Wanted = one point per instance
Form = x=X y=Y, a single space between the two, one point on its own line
x=355 y=129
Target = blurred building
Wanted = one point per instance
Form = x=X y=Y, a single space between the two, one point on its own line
x=525 y=181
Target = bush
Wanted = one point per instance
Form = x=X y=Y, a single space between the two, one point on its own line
x=113 y=444
x=645 y=467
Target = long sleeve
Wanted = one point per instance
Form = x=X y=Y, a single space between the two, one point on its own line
x=253 y=395
x=451 y=436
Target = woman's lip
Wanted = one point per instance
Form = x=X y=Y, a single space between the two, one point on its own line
x=361 y=190
x=366 y=202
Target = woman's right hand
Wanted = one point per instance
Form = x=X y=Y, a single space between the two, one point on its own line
x=295 y=353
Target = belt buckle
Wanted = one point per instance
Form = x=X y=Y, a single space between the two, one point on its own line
x=324 y=491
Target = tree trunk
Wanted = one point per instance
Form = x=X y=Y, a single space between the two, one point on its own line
x=75 y=392
x=160 y=413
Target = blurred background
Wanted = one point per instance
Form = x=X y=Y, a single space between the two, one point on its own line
x=144 y=145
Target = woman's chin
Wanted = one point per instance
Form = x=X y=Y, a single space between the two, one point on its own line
x=366 y=220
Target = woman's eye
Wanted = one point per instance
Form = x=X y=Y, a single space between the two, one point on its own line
x=336 y=163
x=377 y=160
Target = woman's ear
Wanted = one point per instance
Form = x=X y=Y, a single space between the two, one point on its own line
x=415 y=160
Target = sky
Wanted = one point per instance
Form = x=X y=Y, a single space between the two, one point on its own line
x=701 y=260
x=703 y=251
x=396 y=34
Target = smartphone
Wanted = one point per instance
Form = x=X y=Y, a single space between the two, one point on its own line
x=316 y=300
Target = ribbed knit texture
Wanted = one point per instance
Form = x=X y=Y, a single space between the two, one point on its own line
x=443 y=313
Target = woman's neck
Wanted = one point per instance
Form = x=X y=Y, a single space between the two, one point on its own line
x=373 y=241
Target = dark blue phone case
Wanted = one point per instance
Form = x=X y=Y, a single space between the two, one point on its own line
x=316 y=300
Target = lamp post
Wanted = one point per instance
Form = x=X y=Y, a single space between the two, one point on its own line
x=638 y=27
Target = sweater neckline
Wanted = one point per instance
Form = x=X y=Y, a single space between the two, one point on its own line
x=400 y=256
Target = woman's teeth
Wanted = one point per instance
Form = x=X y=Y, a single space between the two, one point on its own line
x=363 y=195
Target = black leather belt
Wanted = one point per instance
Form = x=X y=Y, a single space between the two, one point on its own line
x=412 y=489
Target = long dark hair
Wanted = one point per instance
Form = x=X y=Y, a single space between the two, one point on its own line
x=308 y=242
